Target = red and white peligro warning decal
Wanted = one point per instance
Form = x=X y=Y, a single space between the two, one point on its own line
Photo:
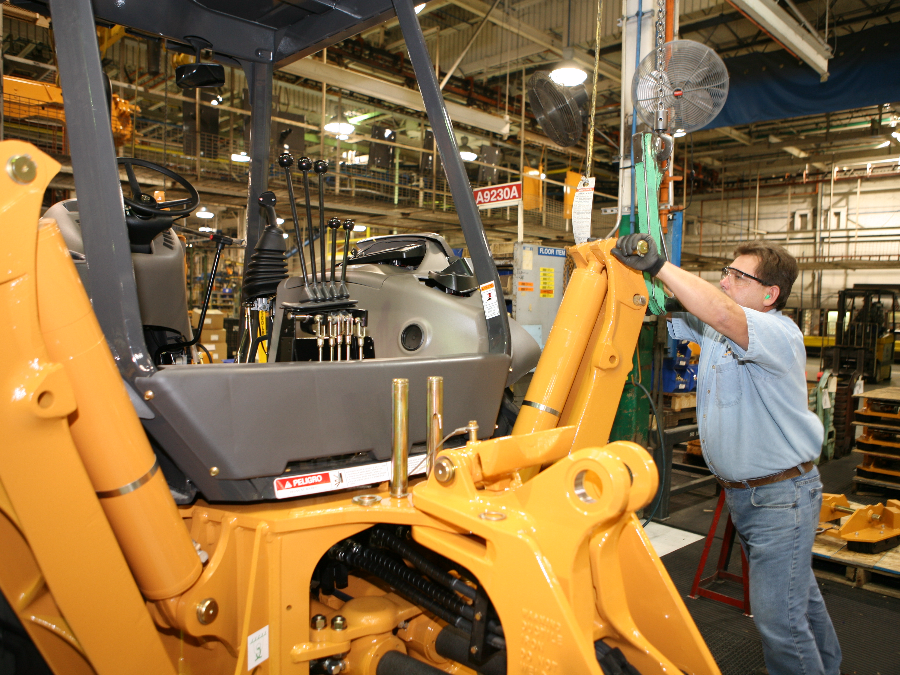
x=341 y=479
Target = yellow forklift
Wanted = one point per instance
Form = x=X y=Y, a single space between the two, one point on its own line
x=345 y=515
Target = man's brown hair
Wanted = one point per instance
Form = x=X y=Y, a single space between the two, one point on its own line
x=776 y=267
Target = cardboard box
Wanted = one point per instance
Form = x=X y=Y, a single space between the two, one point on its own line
x=214 y=336
x=214 y=319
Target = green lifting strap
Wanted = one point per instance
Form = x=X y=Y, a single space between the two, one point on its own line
x=647 y=181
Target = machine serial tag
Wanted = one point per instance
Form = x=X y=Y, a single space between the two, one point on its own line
x=341 y=479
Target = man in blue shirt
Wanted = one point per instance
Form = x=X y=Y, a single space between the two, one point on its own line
x=758 y=438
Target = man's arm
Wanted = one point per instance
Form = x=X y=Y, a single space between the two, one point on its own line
x=707 y=303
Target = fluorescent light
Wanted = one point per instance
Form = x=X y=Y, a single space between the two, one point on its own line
x=280 y=221
x=679 y=133
x=207 y=229
x=203 y=213
x=883 y=145
x=896 y=134
x=342 y=137
x=419 y=8
x=240 y=158
x=285 y=234
x=360 y=228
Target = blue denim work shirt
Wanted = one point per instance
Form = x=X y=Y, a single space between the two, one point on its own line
x=752 y=406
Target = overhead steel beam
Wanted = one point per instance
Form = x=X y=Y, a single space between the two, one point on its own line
x=786 y=31
x=739 y=136
x=392 y=93
x=537 y=36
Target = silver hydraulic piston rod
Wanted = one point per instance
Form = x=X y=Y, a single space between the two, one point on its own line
x=434 y=422
x=399 y=437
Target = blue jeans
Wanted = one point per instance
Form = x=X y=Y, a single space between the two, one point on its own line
x=777 y=525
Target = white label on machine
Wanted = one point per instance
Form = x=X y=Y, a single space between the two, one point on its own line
x=489 y=300
x=582 y=206
x=257 y=647
x=341 y=479
x=826 y=400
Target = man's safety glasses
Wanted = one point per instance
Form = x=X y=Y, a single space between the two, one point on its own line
x=740 y=277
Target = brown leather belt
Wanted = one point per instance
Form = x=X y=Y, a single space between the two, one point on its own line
x=793 y=472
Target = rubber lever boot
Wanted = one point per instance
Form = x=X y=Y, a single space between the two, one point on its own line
x=344 y=292
x=286 y=161
x=305 y=164
x=334 y=225
x=321 y=168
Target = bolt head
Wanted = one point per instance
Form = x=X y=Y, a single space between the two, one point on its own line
x=639 y=300
x=338 y=622
x=213 y=471
x=642 y=248
x=207 y=611
x=318 y=622
x=148 y=395
x=22 y=169
x=444 y=470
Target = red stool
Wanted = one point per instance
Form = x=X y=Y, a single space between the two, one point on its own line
x=700 y=586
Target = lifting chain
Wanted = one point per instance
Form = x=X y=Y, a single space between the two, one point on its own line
x=661 y=123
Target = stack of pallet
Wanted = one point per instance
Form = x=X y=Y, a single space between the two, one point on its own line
x=879 y=443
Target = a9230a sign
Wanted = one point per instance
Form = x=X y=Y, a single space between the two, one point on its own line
x=493 y=196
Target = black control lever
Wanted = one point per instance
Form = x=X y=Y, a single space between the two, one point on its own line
x=305 y=164
x=221 y=242
x=334 y=224
x=267 y=201
x=348 y=228
x=285 y=161
x=321 y=168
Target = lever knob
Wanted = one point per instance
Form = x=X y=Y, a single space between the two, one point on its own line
x=321 y=166
x=334 y=223
x=267 y=199
x=304 y=164
x=285 y=159
x=348 y=224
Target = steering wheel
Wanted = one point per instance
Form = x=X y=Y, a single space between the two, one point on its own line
x=144 y=204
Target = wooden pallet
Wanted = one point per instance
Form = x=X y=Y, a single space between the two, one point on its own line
x=879 y=572
x=678 y=401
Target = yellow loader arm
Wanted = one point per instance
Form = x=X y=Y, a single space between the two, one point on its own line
x=491 y=564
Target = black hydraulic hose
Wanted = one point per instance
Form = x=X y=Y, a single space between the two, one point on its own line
x=662 y=451
x=454 y=645
x=384 y=539
x=254 y=346
x=398 y=663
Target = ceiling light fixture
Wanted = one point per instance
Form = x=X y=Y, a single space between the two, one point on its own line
x=883 y=145
x=360 y=228
x=419 y=8
x=567 y=72
x=679 y=133
x=203 y=213
x=206 y=229
x=240 y=158
x=340 y=126
x=466 y=153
